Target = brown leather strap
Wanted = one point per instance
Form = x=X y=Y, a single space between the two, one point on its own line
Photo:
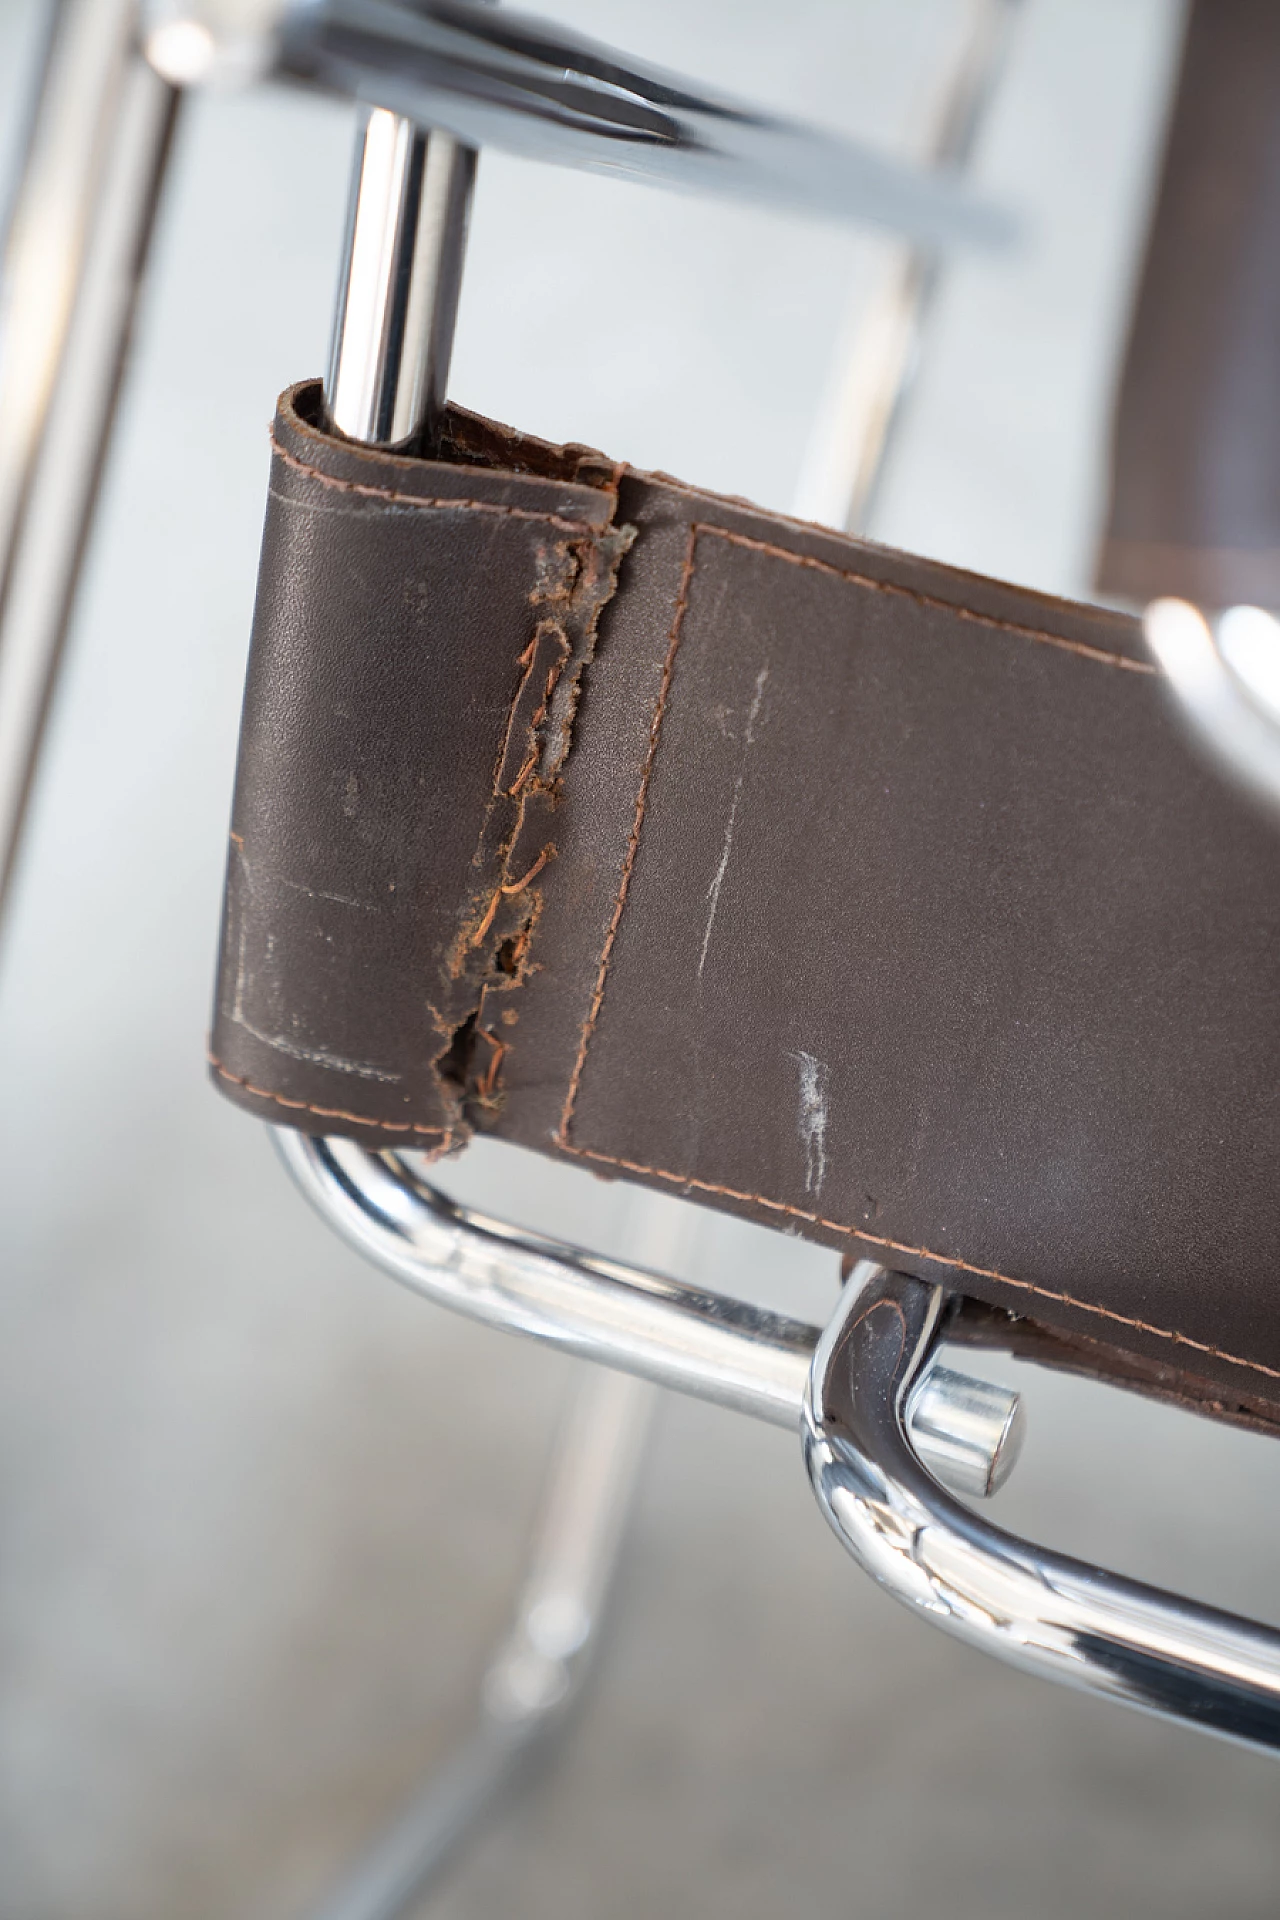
x=867 y=898
x=1169 y=1380
x=1195 y=506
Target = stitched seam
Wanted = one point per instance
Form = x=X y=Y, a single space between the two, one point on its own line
x=924 y=1253
x=764 y=1200
x=990 y=620
x=418 y=500
x=322 y=1113
x=476 y=935
x=655 y=729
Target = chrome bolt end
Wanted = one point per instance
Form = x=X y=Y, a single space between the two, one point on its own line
x=967 y=1432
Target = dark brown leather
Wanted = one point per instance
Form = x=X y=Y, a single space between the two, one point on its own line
x=1195 y=506
x=863 y=897
x=974 y=1324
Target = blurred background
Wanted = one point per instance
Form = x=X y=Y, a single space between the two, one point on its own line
x=261 y=1512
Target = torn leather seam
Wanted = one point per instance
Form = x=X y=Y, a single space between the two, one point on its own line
x=491 y=955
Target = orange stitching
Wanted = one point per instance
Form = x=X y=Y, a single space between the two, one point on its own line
x=525 y=661
x=528 y=767
x=501 y=1048
x=655 y=728
x=518 y=886
x=490 y=913
x=322 y=1113
x=508 y=887
x=922 y=1253
x=1080 y=647
x=418 y=500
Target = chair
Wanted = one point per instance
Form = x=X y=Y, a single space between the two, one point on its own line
x=877 y=1406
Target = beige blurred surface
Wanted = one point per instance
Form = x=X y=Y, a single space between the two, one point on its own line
x=260 y=1511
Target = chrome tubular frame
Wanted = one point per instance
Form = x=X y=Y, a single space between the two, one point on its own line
x=854 y=433
x=701 y=1343
x=400 y=281
x=534 y=1680
x=73 y=266
x=1034 y=1608
x=880 y=1422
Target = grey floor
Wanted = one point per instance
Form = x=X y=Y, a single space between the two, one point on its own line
x=260 y=1512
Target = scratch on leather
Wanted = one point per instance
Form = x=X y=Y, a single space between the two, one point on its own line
x=241 y=875
x=813 y=1120
x=748 y=741
x=574 y=579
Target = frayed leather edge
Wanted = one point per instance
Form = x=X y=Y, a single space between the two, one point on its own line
x=491 y=955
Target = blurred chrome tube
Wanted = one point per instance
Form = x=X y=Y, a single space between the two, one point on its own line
x=534 y=1680
x=1039 y=1610
x=701 y=1343
x=534 y=87
x=400 y=280
x=74 y=256
x=855 y=430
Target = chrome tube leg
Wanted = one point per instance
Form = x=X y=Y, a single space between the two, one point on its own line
x=75 y=254
x=399 y=286
x=400 y=282
x=536 y=1676
x=397 y=304
x=1036 y=1609
x=853 y=437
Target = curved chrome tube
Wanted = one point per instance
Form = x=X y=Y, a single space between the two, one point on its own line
x=1244 y=740
x=1040 y=1610
x=662 y=1330
x=678 y=1336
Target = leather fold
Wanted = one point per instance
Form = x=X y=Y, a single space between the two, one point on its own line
x=419 y=642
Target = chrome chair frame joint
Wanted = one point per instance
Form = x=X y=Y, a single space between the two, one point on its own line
x=883 y=1428
x=1039 y=1610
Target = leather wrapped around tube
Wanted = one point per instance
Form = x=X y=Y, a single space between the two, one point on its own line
x=866 y=898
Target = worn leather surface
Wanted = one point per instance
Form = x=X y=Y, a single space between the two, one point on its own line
x=1195 y=506
x=864 y=897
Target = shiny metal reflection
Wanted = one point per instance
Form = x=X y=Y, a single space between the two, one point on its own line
x=701 y=1343
x=1036 y=1609
x=855 y=431
x=492 y=77
x=1237 y=728
x=74 y=256
x=399 y=282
